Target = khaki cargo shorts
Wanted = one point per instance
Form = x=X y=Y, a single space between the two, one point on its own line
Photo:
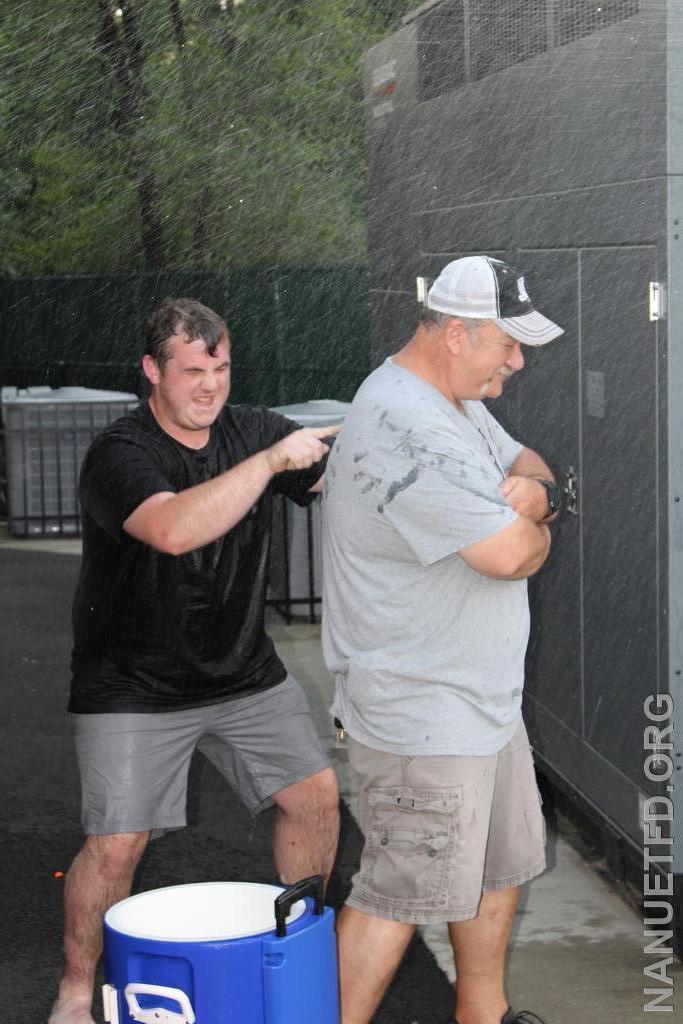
x=440 y=831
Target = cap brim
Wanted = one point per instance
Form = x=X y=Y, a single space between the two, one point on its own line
x=530 y=329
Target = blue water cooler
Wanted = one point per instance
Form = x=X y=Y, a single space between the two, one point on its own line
x=222 y=953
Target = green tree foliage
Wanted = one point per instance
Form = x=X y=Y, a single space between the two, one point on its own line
x=148 y=133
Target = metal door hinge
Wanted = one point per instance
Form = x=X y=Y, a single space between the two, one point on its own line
x=656 y=300
x=571 y=497
x=422 y=285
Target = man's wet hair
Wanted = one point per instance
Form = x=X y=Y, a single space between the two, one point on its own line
x=182 y=317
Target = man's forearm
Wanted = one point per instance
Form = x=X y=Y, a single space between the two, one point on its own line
x=177 y=523
x=516 y=552
x=529 y=463
x=536 y=558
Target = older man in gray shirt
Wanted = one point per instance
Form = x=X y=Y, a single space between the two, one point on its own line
x=434 y=519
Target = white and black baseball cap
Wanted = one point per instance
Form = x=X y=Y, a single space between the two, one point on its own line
x=483 y=288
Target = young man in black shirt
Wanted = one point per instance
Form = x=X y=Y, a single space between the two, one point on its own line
x=170 y=652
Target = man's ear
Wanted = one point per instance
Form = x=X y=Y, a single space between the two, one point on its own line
x=151 y=370
x=455 y=335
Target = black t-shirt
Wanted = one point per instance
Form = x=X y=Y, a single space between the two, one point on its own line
x=158 y=632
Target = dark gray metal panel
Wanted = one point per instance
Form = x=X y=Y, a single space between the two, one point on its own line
x=393 y=318
x=528 y=129
x=519 y=159
x=619 y=423
x=394 y=170
x=470 y=228
x=567 y=151
x=622 y=214
x=394 y=174
x=549 y=422
x=613 y=795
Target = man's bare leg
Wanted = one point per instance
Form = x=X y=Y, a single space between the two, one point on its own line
x=370 y=950
x=307 y=827
x=101 y=874
x=479 y=948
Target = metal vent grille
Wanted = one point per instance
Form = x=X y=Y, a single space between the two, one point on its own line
x=441 y=50
x=504 y=33
x=575 y=19
x=462 y=41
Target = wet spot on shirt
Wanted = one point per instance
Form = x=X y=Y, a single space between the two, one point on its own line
x=370 y=481
x=398 y=486
x=384 y=422
x=419 y=454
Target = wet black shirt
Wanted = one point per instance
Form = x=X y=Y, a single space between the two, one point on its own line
x=158 y=632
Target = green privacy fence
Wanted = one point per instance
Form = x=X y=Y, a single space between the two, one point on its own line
x=298 y=332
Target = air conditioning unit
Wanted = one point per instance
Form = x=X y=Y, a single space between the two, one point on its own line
x=47 y=433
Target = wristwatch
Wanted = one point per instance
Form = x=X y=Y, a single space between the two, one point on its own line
x=554 y=495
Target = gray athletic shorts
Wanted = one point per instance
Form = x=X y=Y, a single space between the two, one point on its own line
x=134 y=767
x=440 y=831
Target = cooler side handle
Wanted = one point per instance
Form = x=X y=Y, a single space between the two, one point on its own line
x=110 y=1004
x=313 y=886
x=159 y=1015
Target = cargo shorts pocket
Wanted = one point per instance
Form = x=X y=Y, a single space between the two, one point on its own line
x=410 y=843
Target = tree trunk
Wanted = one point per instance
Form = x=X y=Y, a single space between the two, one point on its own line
x=178 y=27
x=125 y=59
x=201 y=248
x=220 y=16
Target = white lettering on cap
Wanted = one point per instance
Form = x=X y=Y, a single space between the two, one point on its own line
x=521 y=290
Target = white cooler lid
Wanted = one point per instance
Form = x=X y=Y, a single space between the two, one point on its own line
x=200 y=912
x=319 y=412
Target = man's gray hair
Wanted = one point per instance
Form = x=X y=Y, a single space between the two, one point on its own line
x=434 y=318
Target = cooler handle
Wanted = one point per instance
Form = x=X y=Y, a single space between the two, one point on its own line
x=110 y=1004
x=158 y=1015
x=313 y=886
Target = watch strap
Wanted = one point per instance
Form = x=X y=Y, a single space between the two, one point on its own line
x=554 y=497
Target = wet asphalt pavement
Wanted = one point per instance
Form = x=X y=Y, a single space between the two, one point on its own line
x=39 y=816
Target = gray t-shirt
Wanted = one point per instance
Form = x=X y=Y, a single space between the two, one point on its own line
x=427 y=654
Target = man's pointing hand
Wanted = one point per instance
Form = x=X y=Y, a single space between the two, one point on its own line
x=301 y=449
